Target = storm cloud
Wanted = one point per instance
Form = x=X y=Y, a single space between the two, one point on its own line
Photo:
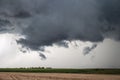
x=44 y=22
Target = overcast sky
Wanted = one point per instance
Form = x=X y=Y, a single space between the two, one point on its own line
x=60 y=33
x=105 y=55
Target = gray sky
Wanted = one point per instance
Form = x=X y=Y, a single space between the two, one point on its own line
x=105 y=55
x=80 y=33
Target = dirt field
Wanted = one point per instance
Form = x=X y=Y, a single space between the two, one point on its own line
x=56 y=76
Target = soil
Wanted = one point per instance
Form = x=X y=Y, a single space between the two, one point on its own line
x=55 y=76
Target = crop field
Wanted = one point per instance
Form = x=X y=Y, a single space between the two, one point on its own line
x=83 y=71
x=58 y=74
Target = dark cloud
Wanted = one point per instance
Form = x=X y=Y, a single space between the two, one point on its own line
x=111 y=15
x=4 y=22
x=45 y=22
x=65 y=20
x=63 y=44
x=5 y=25
x=42 y=56
x=87 y=50
x=22 y=14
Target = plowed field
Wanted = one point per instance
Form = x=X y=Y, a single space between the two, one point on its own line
x=55 y=76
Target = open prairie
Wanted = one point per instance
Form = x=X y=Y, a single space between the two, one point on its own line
x=55 y=76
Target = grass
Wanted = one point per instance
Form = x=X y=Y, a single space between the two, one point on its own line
x=83 y=71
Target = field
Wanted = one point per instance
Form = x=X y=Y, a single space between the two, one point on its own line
x=47 y=70
x=58 y=74
x=55 y=76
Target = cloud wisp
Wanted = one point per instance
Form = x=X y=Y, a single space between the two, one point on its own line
x=87 y=50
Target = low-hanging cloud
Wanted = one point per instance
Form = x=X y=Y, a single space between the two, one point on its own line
x=87 y=50
x=44 y=22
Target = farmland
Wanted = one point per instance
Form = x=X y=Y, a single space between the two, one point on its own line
x=55 y=76
x=58 y=74
x=45 y=70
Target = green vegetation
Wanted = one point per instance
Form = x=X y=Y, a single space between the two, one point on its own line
x=50 y=70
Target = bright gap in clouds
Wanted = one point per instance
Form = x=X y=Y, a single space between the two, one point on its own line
x=105 y=55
